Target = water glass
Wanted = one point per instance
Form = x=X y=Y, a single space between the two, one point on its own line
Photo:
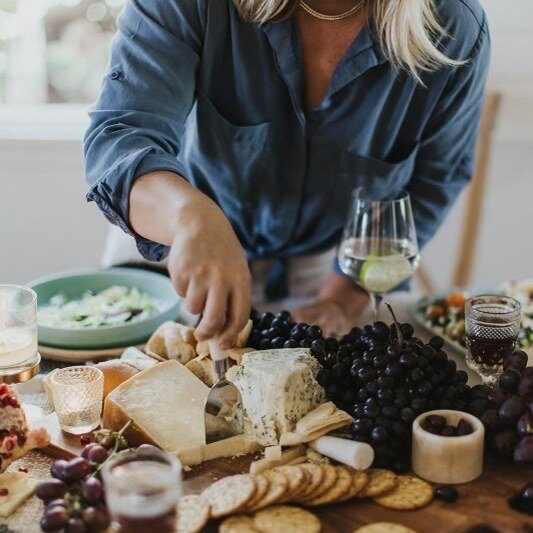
x=142 y=490
x=18 y=325
x=78 y=392
x=492 y=325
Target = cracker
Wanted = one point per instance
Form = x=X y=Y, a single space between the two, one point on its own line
x=359 y=482
x=380 y=481
x=193 y=514
x=238 y=524
x=261 y=488
x=286 y=519
x=410 y=493
x=329 y=479
x=277 y=487
x=342 y=485
x=297 y=480
x=315 y=477
x=384 y=527
x=229 y=494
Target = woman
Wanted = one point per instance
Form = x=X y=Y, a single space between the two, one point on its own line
x=233 y=131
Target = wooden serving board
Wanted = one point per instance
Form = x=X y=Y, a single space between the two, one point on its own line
x=483 y=501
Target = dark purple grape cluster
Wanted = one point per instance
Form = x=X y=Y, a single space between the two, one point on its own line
x=522 y=501
x=508 y=416
x=280 y=331
x=385 y=380
x=74 y=496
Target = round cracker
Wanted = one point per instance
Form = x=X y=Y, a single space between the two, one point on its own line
x=359 y=482
x=384 y=527
x=342 y=485
x=287 y=519
x=228 y=494
x=277 y=487
x=238 y=524
x=261 y=488
x=380 y=481
x=330 y=476
x=193 y=514
x=297 y=480
x=410 y=493
x=315 y=477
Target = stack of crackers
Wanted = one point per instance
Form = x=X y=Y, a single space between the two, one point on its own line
x=251 y=496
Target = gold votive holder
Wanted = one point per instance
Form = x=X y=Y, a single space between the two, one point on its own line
x=77 y=393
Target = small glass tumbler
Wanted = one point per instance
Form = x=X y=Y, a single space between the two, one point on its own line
x=142 y=489
x=492 y=326
x=78 y=392
x=18 y=325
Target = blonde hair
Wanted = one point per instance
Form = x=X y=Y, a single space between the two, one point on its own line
x=407 y=29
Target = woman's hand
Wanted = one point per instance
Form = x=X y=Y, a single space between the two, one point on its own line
x=336 y=308
x=207 y=264
x=208 y=267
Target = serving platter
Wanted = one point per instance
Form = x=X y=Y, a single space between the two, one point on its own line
x=65 y=355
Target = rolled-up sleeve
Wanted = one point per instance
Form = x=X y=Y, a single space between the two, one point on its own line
x=446 y=153
x=149 y=89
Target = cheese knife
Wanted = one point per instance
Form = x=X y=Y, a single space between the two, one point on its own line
x=223 y=407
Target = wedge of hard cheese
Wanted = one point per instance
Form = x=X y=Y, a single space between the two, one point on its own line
x=166 y=404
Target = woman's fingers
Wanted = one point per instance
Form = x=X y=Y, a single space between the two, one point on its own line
x=214 y=313
x=196 y=297
x=238 y=314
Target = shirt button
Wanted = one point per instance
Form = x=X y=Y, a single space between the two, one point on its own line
x=117 y=75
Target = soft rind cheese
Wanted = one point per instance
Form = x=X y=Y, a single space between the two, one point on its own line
x=166 y=405
x=278 y=388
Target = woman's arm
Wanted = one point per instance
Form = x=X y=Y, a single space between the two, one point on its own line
x=207 y=264
x=132 y=166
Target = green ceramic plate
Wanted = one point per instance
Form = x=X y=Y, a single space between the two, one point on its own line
x=74 y=284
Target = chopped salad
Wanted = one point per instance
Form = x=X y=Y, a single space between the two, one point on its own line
x=446 y=315
x=116 y=305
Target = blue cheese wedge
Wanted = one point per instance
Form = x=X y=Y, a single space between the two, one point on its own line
x=278 y=388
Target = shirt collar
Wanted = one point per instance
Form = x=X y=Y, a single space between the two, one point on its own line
x=363 y=54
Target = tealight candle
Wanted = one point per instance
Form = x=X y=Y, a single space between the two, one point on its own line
x=77 y=393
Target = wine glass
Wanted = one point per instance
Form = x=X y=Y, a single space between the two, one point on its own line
x=379 y=248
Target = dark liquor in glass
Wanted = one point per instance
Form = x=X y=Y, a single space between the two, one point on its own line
x=492 y=324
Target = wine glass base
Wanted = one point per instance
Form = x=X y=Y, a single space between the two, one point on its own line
x=18 y=374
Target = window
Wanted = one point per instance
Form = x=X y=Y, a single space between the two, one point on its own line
x=54 y=51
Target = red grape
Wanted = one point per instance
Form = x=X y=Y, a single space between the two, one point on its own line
x=525 y=425
x=523 y=452
x=87 y=449
x=77 y=469
x=58 y=469
x=525 y=389
x=511 y=410
x=509 y=380
x=50 y=489
x=97 y=518
x=505 y=441
x=91 y=490
x=97 y=454
x=54 y=519
x=76 y=525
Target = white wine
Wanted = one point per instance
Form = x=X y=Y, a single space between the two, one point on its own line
x=378 y=265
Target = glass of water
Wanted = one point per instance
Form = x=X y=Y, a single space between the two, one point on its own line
x=18 y=325
x=379 y=248
x=142 y=490
x=78 y=393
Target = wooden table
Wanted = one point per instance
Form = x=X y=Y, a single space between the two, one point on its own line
x=483 y=501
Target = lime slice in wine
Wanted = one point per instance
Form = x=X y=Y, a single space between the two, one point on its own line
x=383 y=273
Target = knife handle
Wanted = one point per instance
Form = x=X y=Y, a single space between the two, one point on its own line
x=358 y=455
x=219 y=357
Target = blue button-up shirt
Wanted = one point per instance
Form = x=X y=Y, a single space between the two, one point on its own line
x=193 y=89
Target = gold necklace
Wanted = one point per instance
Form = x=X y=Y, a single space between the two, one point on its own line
x=308 y=9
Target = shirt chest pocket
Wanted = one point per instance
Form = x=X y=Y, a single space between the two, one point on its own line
x=229 y=160
x=362 y=171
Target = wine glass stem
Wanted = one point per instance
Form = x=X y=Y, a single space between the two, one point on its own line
x=376 y=299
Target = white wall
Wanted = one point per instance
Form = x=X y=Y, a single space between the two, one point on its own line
x=46 y=225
